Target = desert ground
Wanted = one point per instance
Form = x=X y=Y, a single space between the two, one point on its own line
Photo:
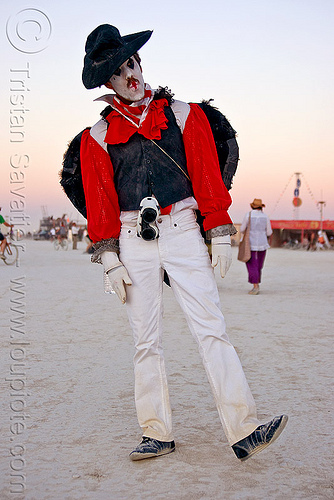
x=68 y=420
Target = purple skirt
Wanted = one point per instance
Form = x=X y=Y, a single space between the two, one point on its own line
x=255 y=265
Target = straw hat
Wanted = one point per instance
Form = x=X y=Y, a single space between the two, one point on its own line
x=257 y=203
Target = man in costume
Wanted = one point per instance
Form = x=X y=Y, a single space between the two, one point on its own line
x=146 y=166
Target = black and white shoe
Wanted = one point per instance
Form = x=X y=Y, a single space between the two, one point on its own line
x=262 y=437
x=149 y=448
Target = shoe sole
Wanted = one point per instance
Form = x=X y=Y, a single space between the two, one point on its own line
x=141 y=456
x=278 y=432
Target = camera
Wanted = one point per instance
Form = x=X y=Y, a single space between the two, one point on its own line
x=149 y=211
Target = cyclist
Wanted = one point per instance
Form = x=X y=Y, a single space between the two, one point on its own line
x=62 y=233
x=2 y=237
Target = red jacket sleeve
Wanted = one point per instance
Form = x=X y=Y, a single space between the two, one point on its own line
x=101 y=197
x=210 y=192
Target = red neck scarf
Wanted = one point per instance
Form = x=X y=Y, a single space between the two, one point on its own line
x=146 y=117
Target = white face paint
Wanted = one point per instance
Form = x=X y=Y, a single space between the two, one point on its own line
x=128 y=81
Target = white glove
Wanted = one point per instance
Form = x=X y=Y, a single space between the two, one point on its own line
x=221 y=253
x=115 y=275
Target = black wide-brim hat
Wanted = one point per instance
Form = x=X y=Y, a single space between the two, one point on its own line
x=106 y=50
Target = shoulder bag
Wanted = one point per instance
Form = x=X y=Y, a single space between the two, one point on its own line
x=244 y=252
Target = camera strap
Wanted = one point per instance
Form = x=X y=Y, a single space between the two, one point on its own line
x=171 y=159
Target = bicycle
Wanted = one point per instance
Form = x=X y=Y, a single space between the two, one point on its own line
x=62 y=243
x=10 y=253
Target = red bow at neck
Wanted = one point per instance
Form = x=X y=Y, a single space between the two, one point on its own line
x=125 y=121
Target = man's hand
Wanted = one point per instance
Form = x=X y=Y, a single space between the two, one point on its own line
x=116 y=276
x=221 y=253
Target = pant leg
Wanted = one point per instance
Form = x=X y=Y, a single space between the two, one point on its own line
x=145 y=309
x=255 y=265
x=184 y=256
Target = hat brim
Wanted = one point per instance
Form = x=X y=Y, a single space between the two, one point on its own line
x=97 y=73
x=257 y=206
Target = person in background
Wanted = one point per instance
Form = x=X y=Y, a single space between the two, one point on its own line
x=62 y=233
x=75 y=231
x=89 y=248
x=321 y=241
x=260 y=230
x=2 y=237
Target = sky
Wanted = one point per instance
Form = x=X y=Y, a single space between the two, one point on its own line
x=268 y=65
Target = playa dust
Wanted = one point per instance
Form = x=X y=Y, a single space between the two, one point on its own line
x=80 y=423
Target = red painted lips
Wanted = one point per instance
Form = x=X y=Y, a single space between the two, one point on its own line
x=133 y=83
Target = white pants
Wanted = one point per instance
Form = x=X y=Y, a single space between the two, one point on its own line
x=181 y=251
